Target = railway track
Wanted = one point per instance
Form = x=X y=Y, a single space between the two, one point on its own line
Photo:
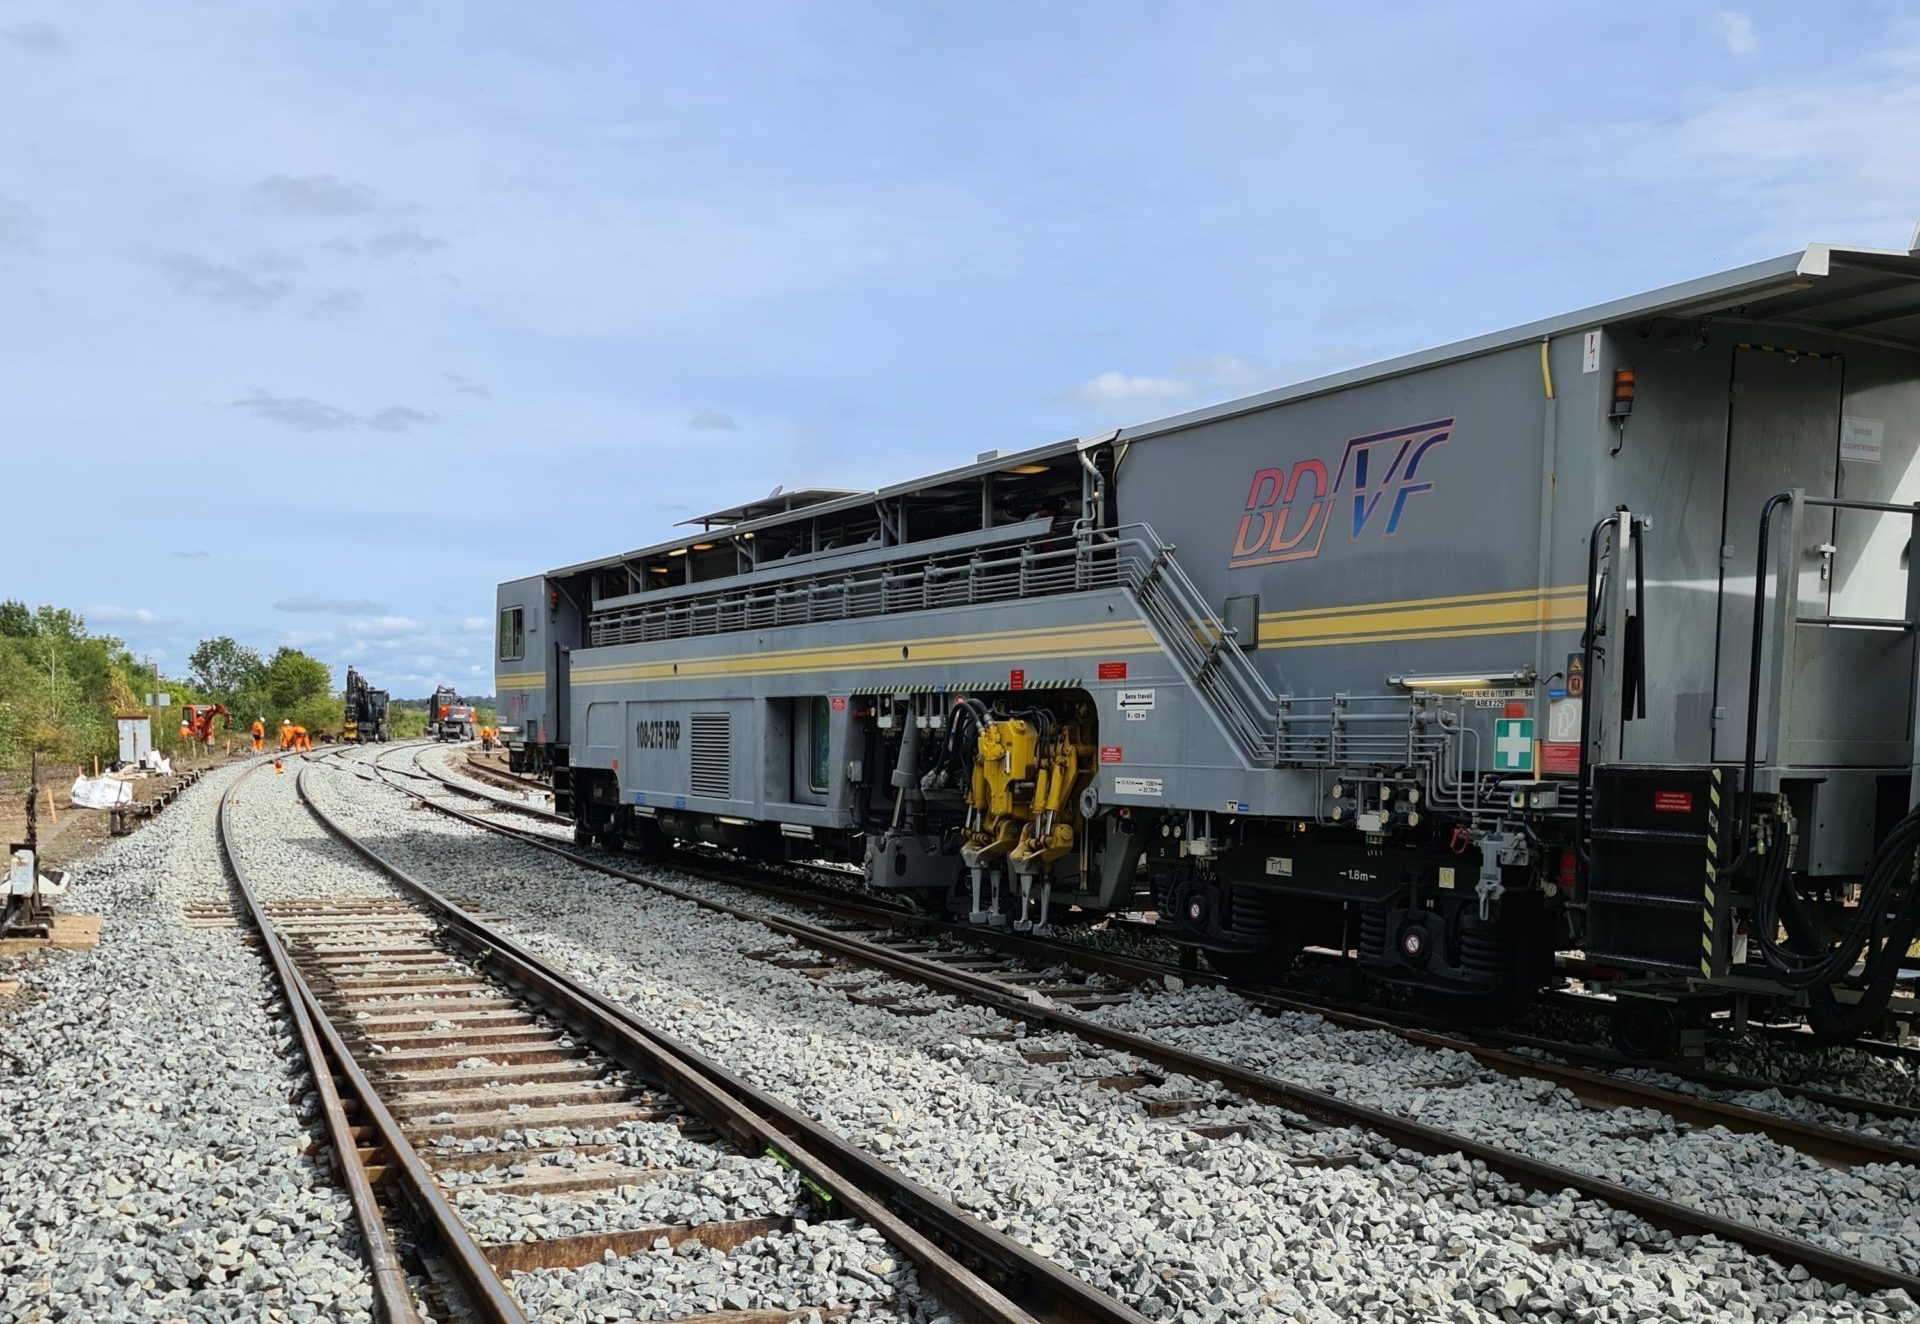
x=1589 y=1072
x=490 y=771
x=459 y=1074
x=1000 y=980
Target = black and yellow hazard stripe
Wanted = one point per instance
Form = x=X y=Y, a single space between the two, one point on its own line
x=971 y=686
x=1790 y=350
x=1709 y=911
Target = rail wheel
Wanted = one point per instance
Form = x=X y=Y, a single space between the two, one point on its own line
x=1645 y=1031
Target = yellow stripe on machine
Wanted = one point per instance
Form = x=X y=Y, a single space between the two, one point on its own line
x=940 y=650
x=519 y=680
x=1515 y=611
x=1465 y=616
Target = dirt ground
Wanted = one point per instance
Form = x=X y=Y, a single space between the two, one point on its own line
x=79 y=832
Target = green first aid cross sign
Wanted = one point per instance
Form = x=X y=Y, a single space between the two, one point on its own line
x=1513 y=744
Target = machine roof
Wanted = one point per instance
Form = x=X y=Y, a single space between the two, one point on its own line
x=1869 y=294
x=775 y=502
x=837 y=501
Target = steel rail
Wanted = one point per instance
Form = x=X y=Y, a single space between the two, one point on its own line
x=865 y=1187
x=426 y=773
x=531 y=783
x=392 y=1297
x=1523 y=1169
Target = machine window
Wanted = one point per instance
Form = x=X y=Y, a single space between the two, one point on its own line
x=513 y=640
x=817 y=744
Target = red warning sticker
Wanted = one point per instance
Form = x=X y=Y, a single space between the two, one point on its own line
x=1560 y=757
x=1109 y=753
x=1112 y=670
x=1017 y=678
x=1673 y=802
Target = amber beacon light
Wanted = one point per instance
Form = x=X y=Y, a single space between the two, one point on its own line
x=1622 y=393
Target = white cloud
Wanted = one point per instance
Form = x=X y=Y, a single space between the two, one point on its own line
x=1808 y=157
x=111 y=615
x=1736 y=30
x=317 y=195
x=383 y=627
x=473 y=624
x=320 y=602
x=1113 y=389
x=309 y=415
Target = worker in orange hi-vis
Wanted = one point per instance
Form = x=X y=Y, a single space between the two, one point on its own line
x=300 y=741
x=259 y=734
x=286 y=734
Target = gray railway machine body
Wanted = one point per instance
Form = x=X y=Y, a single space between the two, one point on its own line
x=536 y=630
x=1448 y=661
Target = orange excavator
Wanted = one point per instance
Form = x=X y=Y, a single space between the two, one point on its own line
x=196 y=721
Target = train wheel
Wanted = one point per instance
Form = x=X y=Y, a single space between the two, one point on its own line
x=582 y=834
x=1645 y=1031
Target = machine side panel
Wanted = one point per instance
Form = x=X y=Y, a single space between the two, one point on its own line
x=522 y=682
x=1160 y=746
x=1389 y=529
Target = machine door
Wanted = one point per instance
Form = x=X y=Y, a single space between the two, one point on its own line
x=560 y=702
x=1783 y=432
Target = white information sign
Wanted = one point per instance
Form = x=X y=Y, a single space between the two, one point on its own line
x=1862 y=440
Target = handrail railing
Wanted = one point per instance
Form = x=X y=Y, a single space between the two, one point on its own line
x=1793 y=500
x=1205 y=646
x=1131 y=557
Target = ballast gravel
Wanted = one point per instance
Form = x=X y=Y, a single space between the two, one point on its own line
x=1867 y=1211
x=155 y=1163
x=795 y=1270
x=1264 y=1217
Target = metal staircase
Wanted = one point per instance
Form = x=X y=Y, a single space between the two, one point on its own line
x=1200 y=643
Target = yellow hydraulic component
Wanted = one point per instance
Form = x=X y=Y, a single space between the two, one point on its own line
x=1025 y=795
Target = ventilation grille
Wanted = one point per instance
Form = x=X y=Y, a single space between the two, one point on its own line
x=711 y=746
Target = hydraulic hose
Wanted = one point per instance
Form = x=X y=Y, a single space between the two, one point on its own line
x=1882 y=934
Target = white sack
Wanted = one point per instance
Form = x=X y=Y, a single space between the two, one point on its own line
x=101 y=792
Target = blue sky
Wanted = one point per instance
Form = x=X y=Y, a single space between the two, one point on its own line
x=322 y=318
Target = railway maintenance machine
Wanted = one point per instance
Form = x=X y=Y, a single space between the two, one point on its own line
x=1580 y=650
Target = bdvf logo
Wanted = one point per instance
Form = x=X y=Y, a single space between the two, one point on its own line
x=1289 y=510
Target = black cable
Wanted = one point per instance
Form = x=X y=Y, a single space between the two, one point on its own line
x=1891 y=864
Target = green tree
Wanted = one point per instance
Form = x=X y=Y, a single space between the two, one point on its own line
x=16 y=622
x=226 y=671
x=292 y=678
x=300 y=687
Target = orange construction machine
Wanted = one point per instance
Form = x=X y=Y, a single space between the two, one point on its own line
x=196 y=721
